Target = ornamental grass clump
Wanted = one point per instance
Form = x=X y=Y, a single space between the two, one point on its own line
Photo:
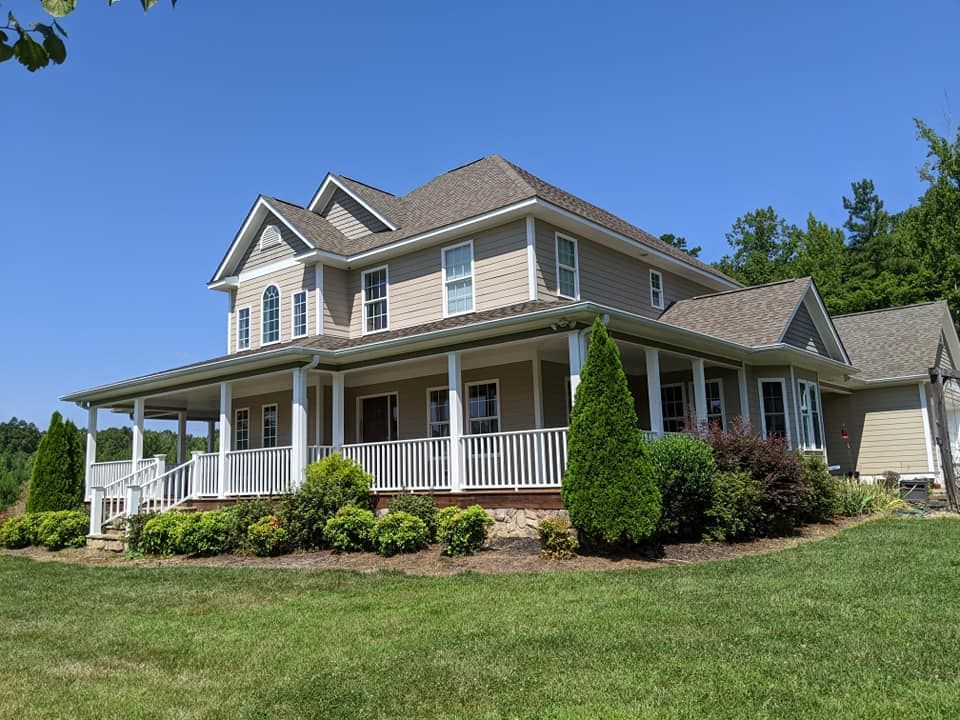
x=859 y=498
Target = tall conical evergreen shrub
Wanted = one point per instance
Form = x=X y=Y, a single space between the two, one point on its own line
x=57 y=480
x=609 y=486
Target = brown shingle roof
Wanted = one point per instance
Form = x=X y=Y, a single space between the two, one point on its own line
x=896 y=342
x=753 y=316
x=317 y=229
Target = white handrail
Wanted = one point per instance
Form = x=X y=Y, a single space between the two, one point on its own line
x=168 y=490
x=115 y=494
x=421 y=464
x=514 y=460
x=264 y=471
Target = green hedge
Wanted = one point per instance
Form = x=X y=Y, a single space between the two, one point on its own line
x=53 y=530
x=400 y=532
x=463 y=531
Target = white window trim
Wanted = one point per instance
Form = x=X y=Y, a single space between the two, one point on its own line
x=684 y=400
x=466 y=405
x=261 y=247
x=364 y=302
x=576 y=270
x=236 y=426
x=293 y=313
x=439 y=388
x=473 y=283
x=786 y=406
x=658 y=306
x=249 y=327
x=723 y=402
x=801 y=423
x=263 y=315
x=263 y=425
x=359 y=413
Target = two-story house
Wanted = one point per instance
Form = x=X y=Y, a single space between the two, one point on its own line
x=437 y=337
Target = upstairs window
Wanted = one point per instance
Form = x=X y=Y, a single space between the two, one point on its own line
x=809 y=396
x=773 y=401
x=270 y=312
x=374 y=284
x=300 y=314
x=243 y=328
x=483 y=408
x=656 y=289
x=458 y=279
x=269 y=237
x=438 y=412
x=568 y=278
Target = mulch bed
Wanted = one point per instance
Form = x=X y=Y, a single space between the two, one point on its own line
x=505 y=555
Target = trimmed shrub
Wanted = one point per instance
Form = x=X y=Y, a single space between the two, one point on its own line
x=240 y=517
x=556 y=542
x=609 y=486
x=62 y=528
x=684 y=470
x=822 y=497
x=421 y=506
x=161 y=533
x=400 y=532
x=202 y=533
x=734 y=513
x=350 y=530
x=857 y=498
x=56 y=482
x=267 y=537
x=463 y=531
x=18 y=532
x=331 y=484
x=135 y=525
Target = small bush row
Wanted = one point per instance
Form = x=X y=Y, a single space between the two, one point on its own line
x=53 y=530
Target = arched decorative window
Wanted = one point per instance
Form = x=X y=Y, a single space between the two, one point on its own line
x=270 y=314
x=269 y=237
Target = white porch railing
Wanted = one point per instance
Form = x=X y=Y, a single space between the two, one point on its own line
x=259 y=472
x=514 y=460
x=166 y=491
x=318 y=452
x=206 y=474
x=404 y=464
x=113 y=497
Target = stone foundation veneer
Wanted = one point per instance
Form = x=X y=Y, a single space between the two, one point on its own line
x=521 y=522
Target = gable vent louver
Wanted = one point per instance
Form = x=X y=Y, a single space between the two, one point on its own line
x=269 y=237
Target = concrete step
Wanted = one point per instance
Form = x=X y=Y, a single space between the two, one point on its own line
x=111 y=540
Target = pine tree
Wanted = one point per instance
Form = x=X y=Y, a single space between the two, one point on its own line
x=57 y=479
x=609 y=486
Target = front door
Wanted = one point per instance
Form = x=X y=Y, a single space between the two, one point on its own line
x=378 y=418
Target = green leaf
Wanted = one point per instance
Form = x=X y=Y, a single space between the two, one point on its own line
x=59 y=27
x=147 y=4
x=6 y=52
x=59 y=8
x=54 y=47
x=30 y=53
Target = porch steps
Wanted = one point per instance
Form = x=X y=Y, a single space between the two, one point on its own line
x=111 y=539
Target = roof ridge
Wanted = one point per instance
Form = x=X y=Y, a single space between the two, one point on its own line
x=743 y=289
x=366 y=185
x=891 y=309
x=511 y=170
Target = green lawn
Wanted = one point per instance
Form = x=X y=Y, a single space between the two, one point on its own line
x=864 y=625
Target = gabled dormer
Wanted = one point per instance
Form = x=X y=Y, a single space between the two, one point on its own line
x=353 y=208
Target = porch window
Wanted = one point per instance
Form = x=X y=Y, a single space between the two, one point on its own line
x=673 y=407
x=483 y=407
x=716 y=412
x=568 y=279
x=656 y=289
x=241 y=439
x=374 y=284
x=458 y=279
x=243 y=328
x=809 y=395
x=438 y=412
x=773 y=398
x=269 y=426
x=300 y=314
x=271 y=315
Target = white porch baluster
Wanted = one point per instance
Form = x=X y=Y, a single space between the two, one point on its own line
x=455 y=408
x=653 y=391
x=226 y=401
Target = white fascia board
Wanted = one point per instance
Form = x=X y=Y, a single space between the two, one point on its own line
x=817 y=358
x=821 y=320
x=330 y=183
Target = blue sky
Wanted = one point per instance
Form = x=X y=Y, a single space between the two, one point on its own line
x=128 y=170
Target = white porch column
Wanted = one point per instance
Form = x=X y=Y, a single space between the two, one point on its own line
x=226 y=401
x=744 y=398
x=575 y=361
x=455 y=402
x=699 y=392
x=298 y=454
x=211 y=431
x=181 y=437
x=537 y=390
x=137 y=452
x=91 y=456
x=653 y=391
x=336 y=425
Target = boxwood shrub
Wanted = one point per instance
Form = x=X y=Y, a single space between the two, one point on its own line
x=400 y=532
x=267 y=537
x=350 y=530
x=421 y=506
x=463 y=531
x=62 y=529
x=734 y=513
x=684 y=469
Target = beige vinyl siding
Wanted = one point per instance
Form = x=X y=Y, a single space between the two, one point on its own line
x=515 y=397
x=350 y=217
x=802 y=333
x=553 y=377
x=608 y=277
x=500 y=267
x=885 y=427
x=254 y=257
x=337 y=302
x=288 y=281
x=945 y=361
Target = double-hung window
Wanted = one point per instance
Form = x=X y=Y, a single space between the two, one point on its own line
x=568 y=277
x=243 y=328
x=438 y=412
x=715 y=409
x=458 y=279
x=269 y=426
x=375 y=315
x=270 y=315
x=656 y=289
x=773 y=406
x=241 y=431
x=674 y=407
x=483 y=407
x=809 y=396
x=300 y=313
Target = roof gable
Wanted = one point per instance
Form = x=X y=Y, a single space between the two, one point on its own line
x=348 y=216
x=332 y=184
